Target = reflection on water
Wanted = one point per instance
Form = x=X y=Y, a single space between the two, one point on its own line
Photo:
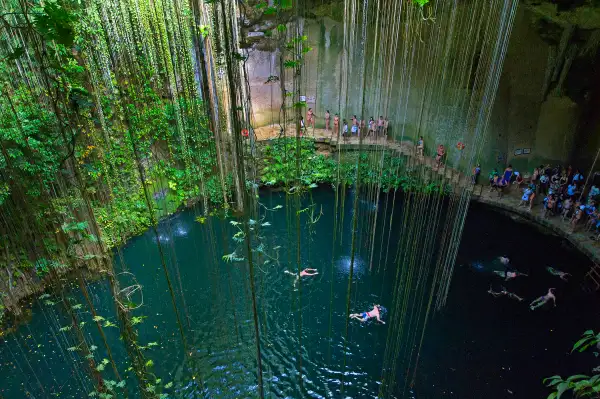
x=344 y=263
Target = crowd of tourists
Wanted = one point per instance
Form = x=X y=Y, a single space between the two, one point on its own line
x=561 y=192
x=372 y=127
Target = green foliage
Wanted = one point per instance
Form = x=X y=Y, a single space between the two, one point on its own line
x=204 y=30
x=270 y=11
x=300 y=104
x=582 y=386
x=279 y=168
x=291 y=64
x=421 y=2
x=55 y=22
x=43 y=266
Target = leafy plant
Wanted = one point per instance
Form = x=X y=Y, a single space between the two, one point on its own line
x=582 y=386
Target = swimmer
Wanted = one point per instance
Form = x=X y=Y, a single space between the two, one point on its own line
x=508 y=275
x=304 y=273
x=504 y=293
x=362 y=317
x=554 y=272
x=541 y=301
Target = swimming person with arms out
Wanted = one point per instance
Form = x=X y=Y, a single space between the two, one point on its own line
x=362 y=317
x=504 y=293
x=304 y=273
x=541 y=301
x=555 y=272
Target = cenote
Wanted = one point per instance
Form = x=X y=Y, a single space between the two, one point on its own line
x=288 y=199
x=477 y=346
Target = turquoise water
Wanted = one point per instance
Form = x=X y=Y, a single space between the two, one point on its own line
x=476 y=347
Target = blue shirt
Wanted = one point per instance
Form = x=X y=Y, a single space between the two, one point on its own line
x=590 y=209
x=571 y=189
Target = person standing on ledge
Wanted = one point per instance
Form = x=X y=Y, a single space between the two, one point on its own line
x=541 y=301
x=380 y=124
x=345 y=131
x=327 y=120
x=475 y=174
x=336 y=124
x=439 y=157
x=354 y=128
x=302 y=127
x=362 y=317
x=420 y=147
x=371 y=127
x=310 y=118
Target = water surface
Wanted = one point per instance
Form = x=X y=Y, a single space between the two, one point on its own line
x=478 y=346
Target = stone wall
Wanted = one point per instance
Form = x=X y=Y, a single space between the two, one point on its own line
x=526 y=115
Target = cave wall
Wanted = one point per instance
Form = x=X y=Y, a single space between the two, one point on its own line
x=521 y=117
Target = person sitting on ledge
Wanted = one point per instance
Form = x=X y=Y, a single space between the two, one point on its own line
x=375 y=313
x=501 y=184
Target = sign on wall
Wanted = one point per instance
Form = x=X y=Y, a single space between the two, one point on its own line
x=518 y=151
x=308 y=99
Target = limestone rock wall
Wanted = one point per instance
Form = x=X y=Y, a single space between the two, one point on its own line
x=531 y=122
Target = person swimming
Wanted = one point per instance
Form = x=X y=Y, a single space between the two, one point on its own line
x=541 y=301
x=504 y=292
x=304 y=273
x=508 y=275
x=375 y=313
x=555 y=272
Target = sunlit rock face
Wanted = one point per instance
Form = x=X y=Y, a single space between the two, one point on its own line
x=532 y=112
